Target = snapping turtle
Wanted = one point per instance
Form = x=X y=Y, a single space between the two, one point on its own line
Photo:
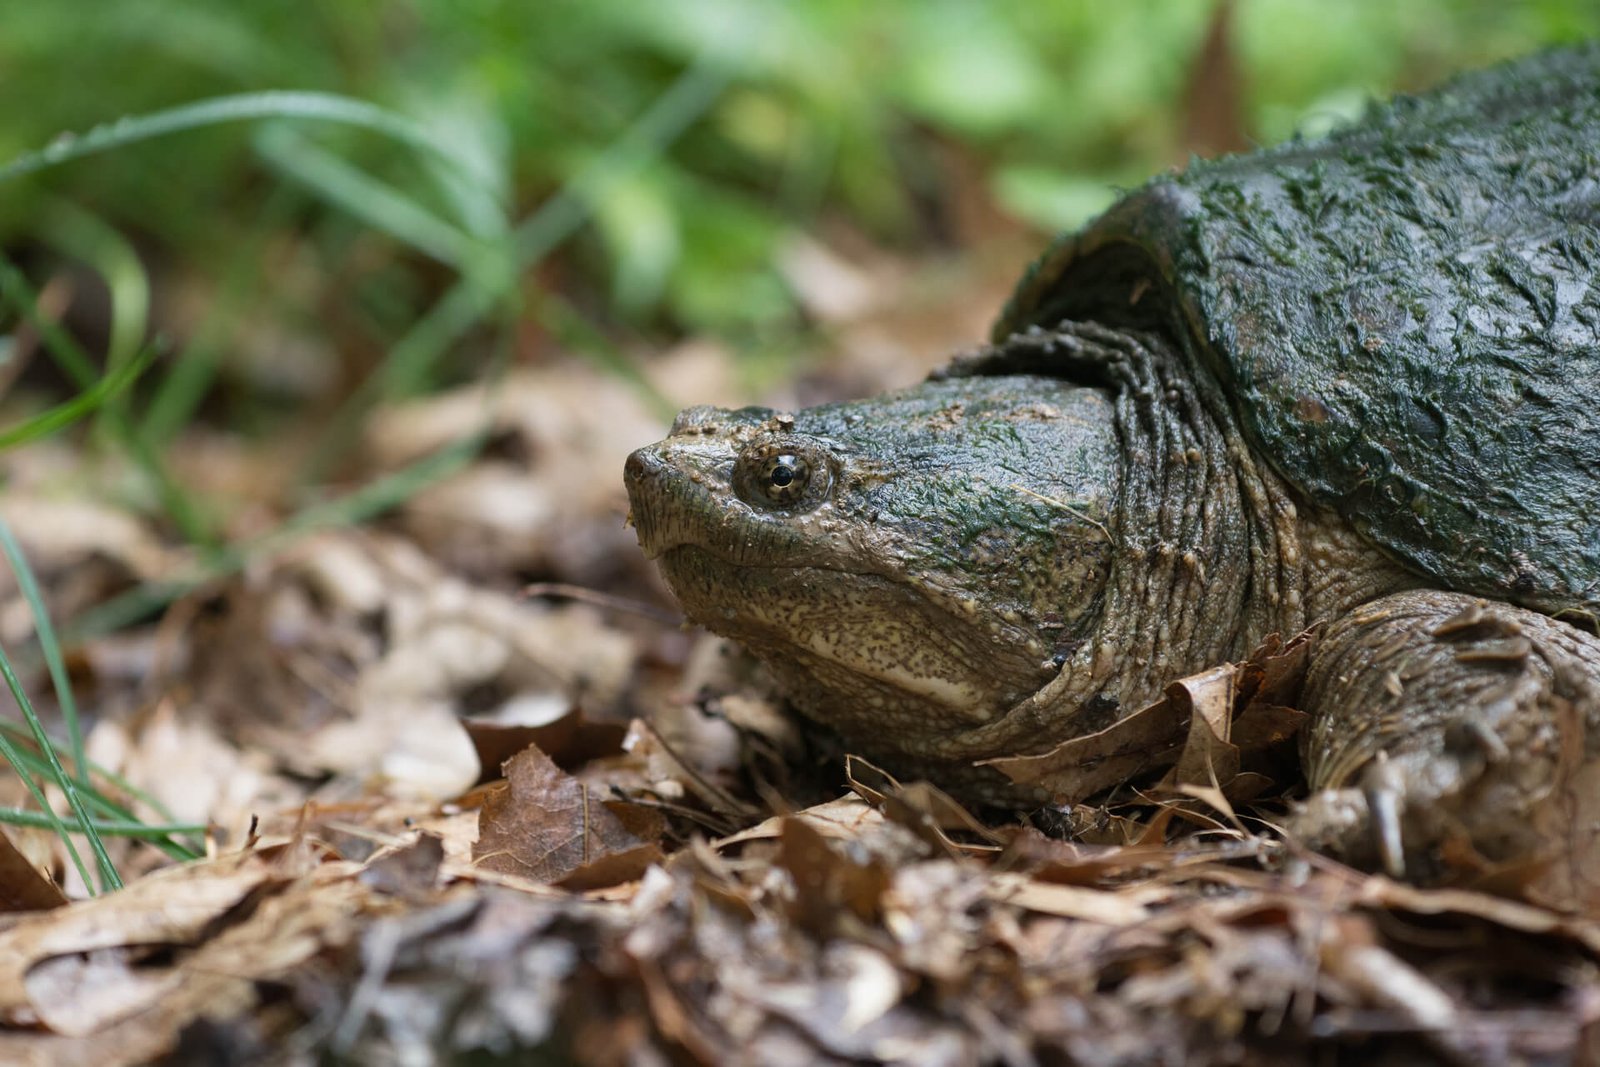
x=1352 y=381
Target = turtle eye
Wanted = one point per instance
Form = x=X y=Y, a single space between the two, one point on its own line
x=785 y=477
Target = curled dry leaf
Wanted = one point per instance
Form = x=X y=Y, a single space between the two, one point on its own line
x=23 y=886
x=846 y=818
x=829 y=886
x=547 y=826
x=1190 y=731
x=1205 y=701
x=1075 y=770
x=939 y=822
x=123 y=979
x=171 y=907
x=556 y=728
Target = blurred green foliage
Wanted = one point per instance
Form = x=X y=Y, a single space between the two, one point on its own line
x=831 y=108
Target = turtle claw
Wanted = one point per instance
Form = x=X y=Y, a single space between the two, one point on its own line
x=1383 y=788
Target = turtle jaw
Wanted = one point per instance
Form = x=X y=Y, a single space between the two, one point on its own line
x=863 y=652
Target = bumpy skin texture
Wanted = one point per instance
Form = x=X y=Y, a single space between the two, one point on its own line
x=1441 y=717
x=1349 y=382
x=1405 y=314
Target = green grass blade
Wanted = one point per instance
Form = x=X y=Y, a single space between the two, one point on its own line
x=673 y=112
x=101 y=805
x=558 y=218
x=13 y=756
x=139 y=603
x=444 y=324
x=109 y=879
x=378 y=204
x=221 y=110
x=193 y=369
x=64 y=414
x=104 y=827
x=87 y=237
x=58 y=344
x=97 y=799
x=72 y=359
x=577 y=333
x=374 y=498
x=49 y=645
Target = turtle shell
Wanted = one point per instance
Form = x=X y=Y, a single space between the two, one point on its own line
x=1404 y=316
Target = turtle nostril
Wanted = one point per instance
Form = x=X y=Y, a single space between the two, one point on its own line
x=642 y=463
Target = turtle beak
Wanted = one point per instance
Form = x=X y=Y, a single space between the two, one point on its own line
x=649 y=478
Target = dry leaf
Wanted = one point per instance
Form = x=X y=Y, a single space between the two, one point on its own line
x=24 y=887
x=1206 y=702
x=547 y=826
x=1077 y=769
x=170 y=907
x=1189 y=731
x=557 y=728
x=845 y=818
x=1069 y=901
x=828 y=886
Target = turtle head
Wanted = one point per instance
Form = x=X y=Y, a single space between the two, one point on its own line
x=911 y=564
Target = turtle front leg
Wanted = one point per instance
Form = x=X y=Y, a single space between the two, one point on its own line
x=1449 y=732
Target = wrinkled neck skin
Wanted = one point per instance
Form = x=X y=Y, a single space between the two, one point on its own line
x=1208 y=558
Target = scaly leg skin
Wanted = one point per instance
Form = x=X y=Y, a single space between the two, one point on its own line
x=1450 y=734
